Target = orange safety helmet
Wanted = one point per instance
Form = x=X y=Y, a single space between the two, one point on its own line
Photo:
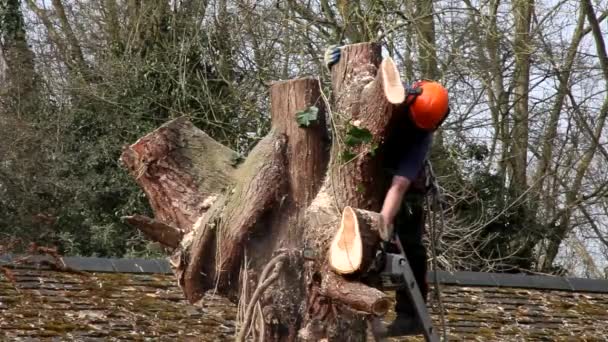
x=427 y=104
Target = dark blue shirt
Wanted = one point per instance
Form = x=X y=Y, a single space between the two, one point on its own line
x=407 y=149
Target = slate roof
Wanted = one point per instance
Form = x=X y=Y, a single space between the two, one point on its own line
x=121 y=299
x=106 y=305
x=476 y=313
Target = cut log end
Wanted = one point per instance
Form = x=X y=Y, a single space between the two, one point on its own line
x=393 y=88
x=355 y=242
x=381 y=307
x=345 y=253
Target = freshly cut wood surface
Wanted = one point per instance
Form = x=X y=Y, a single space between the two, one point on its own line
x=345 y=251
x=354 y=245
x=393 y=87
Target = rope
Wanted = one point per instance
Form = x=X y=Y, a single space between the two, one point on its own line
x=437 y=209
x=264 y=282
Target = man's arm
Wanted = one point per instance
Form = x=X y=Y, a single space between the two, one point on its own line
x=410 y=165
x=392 y=201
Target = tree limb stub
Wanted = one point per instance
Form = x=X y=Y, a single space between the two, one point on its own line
x=306 y=162
x=361 y=106
x=155 y=230
x=233 y=218
x=307 y=153
x=357 y=67
x=265 y=168
x=372 y=93
x=181 y=169
x=353 y=248
x=354 y=294
x=382 y=99
x=367 y=98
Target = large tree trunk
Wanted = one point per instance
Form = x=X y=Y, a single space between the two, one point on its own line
x=270 y=220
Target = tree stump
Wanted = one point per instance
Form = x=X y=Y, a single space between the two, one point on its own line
x=283 y=201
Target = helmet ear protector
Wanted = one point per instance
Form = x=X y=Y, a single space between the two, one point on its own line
x=415 y=90
x=411 y=92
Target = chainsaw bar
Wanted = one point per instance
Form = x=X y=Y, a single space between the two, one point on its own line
x=398 y=273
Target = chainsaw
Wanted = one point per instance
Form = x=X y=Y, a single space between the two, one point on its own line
x=391 y=271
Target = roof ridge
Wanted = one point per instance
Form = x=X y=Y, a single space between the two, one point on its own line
x=459 y=278
x=92 y=264
x=520 y=280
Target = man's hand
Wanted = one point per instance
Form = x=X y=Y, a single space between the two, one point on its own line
x=332 y=56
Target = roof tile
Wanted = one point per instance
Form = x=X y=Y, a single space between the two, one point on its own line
x=52 y=305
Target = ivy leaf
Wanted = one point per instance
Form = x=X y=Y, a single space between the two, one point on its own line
x=347 y=156
x=357 y=136
x=308 y=116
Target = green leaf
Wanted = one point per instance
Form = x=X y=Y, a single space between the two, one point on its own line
x=360 y=188
x=356 y=136
x=347 y=155
x=308 y=116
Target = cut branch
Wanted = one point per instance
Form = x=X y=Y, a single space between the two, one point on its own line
x=249 y=201
x=307 y=148
x=181 y=169
x=372 y=92
x=355 y=295
x=353 y=247
x=155 y=230
x=233 y=218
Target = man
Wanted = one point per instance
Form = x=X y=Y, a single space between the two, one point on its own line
x=407 y=148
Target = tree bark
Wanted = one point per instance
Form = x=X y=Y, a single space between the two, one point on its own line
x=112 y=26
x=156 y=231
x=75 y=51
x=427 y=52
x=182 y=171
x=355 y=294
x=285 y=199
x=522 y=12
x=241 y=210
x=361 y=105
